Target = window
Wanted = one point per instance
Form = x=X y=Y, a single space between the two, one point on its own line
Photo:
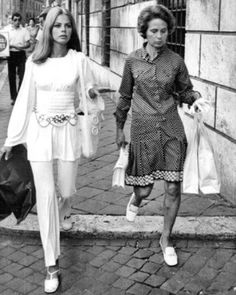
x=106 y=32
x=87 y=26
x=176 y=41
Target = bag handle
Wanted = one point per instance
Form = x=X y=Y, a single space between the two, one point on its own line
x=82 y=86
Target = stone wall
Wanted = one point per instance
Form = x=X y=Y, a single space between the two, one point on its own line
x=123 y=36
x=210 y=55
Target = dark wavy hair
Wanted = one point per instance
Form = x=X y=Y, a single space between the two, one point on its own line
x=44 y=47
x=17 y=14
x=152 y=12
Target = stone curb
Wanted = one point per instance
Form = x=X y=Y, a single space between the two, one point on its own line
x=114 y=227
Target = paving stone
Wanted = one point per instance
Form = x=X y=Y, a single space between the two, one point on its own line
x=172 y=285
x=143 y=254
x=125 y=271
x=127 y=250
x=123 y=283
x=139 y=276
x=157 y=291
x=13 y=268
x=108 y=278
x=6 y=277
x=136 y=263
x=115 y=291
x=151 y=267
x=120 y=258
x=139 y=289
x=230 y=267
x=7 y=251
x=155 y=281
x=223 y=282
x=111 y=266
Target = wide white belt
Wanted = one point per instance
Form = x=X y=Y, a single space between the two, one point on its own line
x=55 y=102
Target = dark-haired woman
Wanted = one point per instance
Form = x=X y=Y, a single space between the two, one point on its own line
x=45 y=118
x=155 y=79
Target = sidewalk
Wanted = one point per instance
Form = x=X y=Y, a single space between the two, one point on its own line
x=99 y=209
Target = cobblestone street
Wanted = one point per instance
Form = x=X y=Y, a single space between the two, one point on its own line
x=92 y=267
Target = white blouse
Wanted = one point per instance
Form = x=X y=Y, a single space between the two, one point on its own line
x=48 y=90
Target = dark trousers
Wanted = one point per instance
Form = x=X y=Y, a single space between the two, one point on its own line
x=16 y=66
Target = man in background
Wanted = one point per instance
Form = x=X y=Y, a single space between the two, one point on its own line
x=19 y=40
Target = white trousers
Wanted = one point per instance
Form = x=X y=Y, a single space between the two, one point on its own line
x=47 y=202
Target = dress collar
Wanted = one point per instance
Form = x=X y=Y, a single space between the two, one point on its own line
x=145 y=55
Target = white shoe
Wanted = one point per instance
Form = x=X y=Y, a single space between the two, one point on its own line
x=131 y=210
x=51 y=285
x=169 y=254
x=67 y=223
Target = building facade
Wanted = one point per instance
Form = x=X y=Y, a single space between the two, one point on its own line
x=205 y=37
x=27 y=8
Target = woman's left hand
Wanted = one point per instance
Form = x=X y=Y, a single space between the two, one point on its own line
x=93 y=93
x=200 y=105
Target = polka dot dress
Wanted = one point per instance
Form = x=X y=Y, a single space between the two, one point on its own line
x=158 y=143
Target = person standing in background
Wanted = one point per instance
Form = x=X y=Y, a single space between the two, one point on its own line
x=19 y=40
x=33 y=30
x=42 y=18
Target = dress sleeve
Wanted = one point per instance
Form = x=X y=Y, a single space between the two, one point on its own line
x=184 y=85
x=88 y=73
x=126 y=92
x=19 y=120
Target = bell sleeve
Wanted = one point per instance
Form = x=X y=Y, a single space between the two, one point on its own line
x=88 y=74
x=126 y=92
x=184 y=85
x=19 y=120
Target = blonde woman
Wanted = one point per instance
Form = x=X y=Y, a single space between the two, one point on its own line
x=45 y=118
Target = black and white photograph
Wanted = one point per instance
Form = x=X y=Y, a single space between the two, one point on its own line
x=118 y=147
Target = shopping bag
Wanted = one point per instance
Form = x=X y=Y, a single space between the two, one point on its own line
x=200 y=170
x=17 y=190
x=190 y=173
x=118 y=178
x=209 y=182
x=90 y=126
x=90 y=121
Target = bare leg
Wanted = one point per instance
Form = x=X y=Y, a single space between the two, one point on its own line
x=171 y=207
x=141 y=192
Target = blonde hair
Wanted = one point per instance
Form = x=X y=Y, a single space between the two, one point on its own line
x=44 y=46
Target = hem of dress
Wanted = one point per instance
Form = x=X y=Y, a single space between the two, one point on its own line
x=170 y=176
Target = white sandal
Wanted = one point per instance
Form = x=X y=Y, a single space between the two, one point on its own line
x=131 y=210
x=169 y=254
x=51 y=285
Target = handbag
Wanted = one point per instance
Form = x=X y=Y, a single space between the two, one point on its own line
x=90 y=121
x=17 y=190
x=200 y=170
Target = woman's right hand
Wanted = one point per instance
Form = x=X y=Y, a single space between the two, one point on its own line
x=120 y=138
x=6 y=150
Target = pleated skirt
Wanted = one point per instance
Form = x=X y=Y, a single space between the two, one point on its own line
x=157 y=149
